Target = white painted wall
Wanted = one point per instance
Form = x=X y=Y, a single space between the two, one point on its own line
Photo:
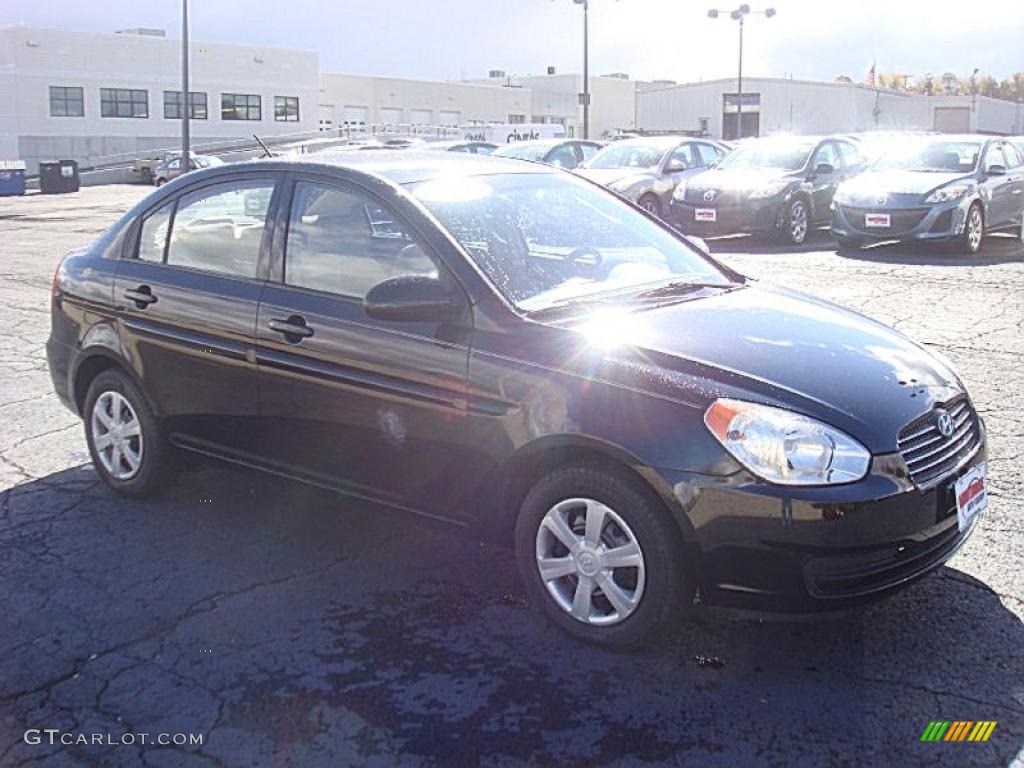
x=32 y=59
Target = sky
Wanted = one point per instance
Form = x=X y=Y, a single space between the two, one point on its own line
x=648 y=39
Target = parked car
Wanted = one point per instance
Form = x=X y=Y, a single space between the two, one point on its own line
x=780 y=185
x=941 y=188
x=146 y=165
x=563 y=153
x=473 y=147
x=504 y=345
x=646 y=170
x=171 y=169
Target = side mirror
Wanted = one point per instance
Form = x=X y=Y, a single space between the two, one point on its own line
x=824 y=169
x=411 y=299
x=996 y=170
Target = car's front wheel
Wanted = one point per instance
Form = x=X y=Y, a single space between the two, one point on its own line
x=651 y=204
x=970 y=239
x=125 y=440
x=796 y=221
x=601 y=556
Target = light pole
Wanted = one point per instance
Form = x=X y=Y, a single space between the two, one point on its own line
x=186 y=101
x=586 y=67
x=738 y=15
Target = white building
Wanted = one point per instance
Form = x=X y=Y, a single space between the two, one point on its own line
x=364 y=101
x=101 y=97
x=556 y=99
x=773 y=105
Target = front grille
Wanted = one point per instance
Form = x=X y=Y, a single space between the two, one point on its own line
x=901 y=220
x=929 y=455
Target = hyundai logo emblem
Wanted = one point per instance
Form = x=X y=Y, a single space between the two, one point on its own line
x=944 y=423
x=710 y=195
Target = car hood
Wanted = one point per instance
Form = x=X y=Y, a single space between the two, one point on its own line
x=873 y=184
x=741 y=180
x=617 y=176
x=783 y=348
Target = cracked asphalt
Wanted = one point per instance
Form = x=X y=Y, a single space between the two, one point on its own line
x=292 y=627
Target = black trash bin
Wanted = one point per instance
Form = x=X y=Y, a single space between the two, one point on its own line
x=58 y=176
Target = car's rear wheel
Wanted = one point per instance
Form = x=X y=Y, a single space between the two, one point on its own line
x=796 y=221
x=601 y=556
x=969 y=241
x=125 y=440
x=651 y=204
x=161 y=181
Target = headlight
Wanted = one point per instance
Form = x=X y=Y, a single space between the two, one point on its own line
x=770 y=190
x=784 y=447
x=947 y=194
x=842 y=196
x=680 y=191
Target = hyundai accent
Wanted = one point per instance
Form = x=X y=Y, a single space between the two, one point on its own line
x=507 y=347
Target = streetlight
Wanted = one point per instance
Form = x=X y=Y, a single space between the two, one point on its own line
x=186 y=101
x=738 y=15
x=585 y=96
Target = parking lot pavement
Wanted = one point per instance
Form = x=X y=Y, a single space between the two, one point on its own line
x=292 y=627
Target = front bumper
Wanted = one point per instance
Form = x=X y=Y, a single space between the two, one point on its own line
x=733 y=217
x=819 y=549
x=938 y=222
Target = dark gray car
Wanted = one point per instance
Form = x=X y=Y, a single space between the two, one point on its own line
x=562 y=153
x=646 y=170
x=951 y=189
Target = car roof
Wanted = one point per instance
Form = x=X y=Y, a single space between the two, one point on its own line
x=406 y=167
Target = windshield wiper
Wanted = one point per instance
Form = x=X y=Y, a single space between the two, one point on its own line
x=678 y=288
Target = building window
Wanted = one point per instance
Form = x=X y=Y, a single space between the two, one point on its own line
x=517 y=119
x=240 y=106
x=196 y=105
x=66 y=101
x=286 y=109
x=124 y=102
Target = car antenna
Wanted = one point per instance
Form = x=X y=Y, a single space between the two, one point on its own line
x=263 y=146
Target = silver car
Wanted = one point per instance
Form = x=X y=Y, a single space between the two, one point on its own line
x=171 y=169
x=646 y=170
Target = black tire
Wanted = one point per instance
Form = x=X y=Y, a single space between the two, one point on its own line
x=147 y=175
x=849 y=243
x=157 y=466
x=650 y=203
x=668 y=587
x=161 y=181
x=789 y=231
x=965 y=244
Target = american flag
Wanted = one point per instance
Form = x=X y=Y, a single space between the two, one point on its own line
x=870 y=79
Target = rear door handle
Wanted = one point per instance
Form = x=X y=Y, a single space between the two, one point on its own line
x=294 y=328
x=142 y=296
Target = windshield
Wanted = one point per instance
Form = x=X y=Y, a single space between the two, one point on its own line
x=533 y=152
x=774 y=153
x=931 y=156
x=628 y=155
x=546 y=239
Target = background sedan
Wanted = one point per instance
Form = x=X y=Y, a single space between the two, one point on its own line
x=646 y=170
x=472 y=147
x=171 y=169
x=937 y=189
x=563 y=153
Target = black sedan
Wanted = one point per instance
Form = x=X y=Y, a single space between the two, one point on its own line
x=563 y=153
x=505 y=346
x=937 y=189
x=780 y=185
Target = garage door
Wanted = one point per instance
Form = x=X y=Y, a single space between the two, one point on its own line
x=355 y=115
x=952 y=119
x=421 y=116
x=390 y=115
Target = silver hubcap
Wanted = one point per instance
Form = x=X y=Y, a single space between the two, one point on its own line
x=649 y=206
x=117 y=435
x=798 y=222
x=590 y=561
x=974 y=229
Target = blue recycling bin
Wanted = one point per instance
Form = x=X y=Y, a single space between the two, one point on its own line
x=12 y=177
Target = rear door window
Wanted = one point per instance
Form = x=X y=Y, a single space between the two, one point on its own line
x=153 y=234
x=219 y=228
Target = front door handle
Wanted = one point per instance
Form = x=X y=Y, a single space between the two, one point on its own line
x=294 y=328
x=142 y=296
